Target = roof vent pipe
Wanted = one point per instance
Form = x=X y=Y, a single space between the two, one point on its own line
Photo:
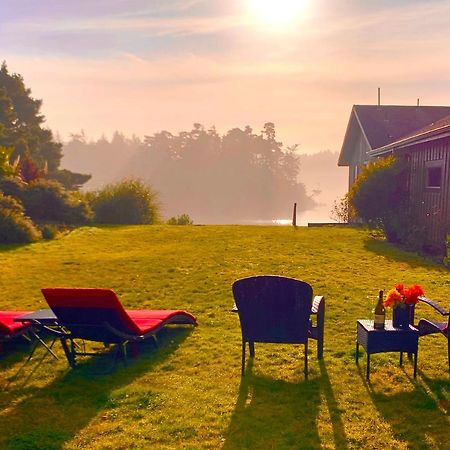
x=379 y=96
x=418 y=102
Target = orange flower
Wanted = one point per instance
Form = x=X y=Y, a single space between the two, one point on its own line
x=413 y=293
x=400 y=288
x=393 y=297
x=400 y=294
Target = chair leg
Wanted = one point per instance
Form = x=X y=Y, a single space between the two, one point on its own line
x=122 y=351
x=69 y=352
x=448 y=352
x=243 y=359
x=251 y=346
x=306 y=359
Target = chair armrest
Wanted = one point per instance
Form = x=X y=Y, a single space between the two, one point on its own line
x=318 y=303
x=434 y=305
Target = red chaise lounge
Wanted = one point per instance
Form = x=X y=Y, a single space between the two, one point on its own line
x=10 y=329
x=97 y=315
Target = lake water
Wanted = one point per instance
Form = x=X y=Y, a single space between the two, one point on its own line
x=321 y=214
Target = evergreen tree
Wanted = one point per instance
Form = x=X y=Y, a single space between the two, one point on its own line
x=21 y=127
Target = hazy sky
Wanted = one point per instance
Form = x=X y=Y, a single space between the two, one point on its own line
x=140 y=66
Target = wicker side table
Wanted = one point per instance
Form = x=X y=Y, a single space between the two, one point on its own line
x=389 y=339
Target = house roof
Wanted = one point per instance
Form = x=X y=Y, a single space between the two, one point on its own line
x=435 y=130
x=385 y=124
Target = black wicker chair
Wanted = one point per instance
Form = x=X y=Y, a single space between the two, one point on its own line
x=276 y=309
x=427 y=326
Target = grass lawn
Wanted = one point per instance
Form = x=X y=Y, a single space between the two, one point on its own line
x=188 y=393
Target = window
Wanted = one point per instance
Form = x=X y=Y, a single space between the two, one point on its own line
x=434 y=174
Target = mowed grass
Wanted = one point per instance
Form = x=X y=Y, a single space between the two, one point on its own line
x=188 y=393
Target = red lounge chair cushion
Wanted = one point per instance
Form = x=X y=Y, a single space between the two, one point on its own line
x=135 y=322
x=91 y=298
x=7 y=324
x=148 y=320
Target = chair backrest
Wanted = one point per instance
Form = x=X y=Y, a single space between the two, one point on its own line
x=87 y=312
x=273 y=308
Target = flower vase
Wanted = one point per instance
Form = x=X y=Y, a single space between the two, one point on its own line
x=401 y=316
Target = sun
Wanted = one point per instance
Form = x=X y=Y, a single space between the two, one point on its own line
x=276 y=12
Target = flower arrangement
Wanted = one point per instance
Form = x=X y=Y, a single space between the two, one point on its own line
x=399 y=295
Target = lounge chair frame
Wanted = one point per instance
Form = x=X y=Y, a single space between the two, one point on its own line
x=97 y=315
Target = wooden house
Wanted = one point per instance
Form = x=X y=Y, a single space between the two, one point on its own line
x=419 y=135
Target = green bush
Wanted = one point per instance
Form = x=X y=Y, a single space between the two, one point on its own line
x=15 y=227
x=49 y=230
x=379 y=197
x=48 y=201
x=340 y=211
x=125 y=202
x=184 y=219
x=12 y=186
x=10 y=204
x=6 y=168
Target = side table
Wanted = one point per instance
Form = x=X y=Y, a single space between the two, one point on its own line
x=389 y=339
x=41 y=320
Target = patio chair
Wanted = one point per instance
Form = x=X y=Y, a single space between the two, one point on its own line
x=275 y=309
x=9 y=329
x=97 y=315
x=427 y=326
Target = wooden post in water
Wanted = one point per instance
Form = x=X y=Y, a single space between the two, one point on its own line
x=294 y=216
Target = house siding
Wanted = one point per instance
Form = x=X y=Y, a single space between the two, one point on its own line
x=360 y=156
x=430 y=206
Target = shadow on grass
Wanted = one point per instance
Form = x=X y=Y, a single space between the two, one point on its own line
x=49 y=417
x=340 y=439
x=11 y=352
x=5 y=248
x=278 y=414
x=418 y=417
x=393 y=253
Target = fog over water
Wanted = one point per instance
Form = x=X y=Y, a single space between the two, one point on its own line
x=241 y=177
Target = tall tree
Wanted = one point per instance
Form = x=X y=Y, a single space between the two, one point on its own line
x=21 y=127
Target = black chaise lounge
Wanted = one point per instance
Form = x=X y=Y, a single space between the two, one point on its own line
x=278 y=309
x=97 y=315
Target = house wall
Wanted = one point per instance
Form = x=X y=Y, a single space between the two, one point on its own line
x=359 y=158
x=431 y=206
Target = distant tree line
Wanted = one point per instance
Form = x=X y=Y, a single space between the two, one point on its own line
x=241 y=175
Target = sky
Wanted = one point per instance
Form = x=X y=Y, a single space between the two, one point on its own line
x=142 y=66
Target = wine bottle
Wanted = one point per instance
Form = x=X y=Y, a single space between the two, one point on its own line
x=380 y=313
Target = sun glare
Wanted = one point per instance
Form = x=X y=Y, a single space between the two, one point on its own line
x=276 y=12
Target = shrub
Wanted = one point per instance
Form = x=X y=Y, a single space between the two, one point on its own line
x=48 y=201
x=29 y=171
x=340 y=211
x=184 y=219
x=125 y=202
x=10 y=204
x=378 y=196
x=12 y=186
x=6 y=168
x=15 y=227
x=48 y=230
